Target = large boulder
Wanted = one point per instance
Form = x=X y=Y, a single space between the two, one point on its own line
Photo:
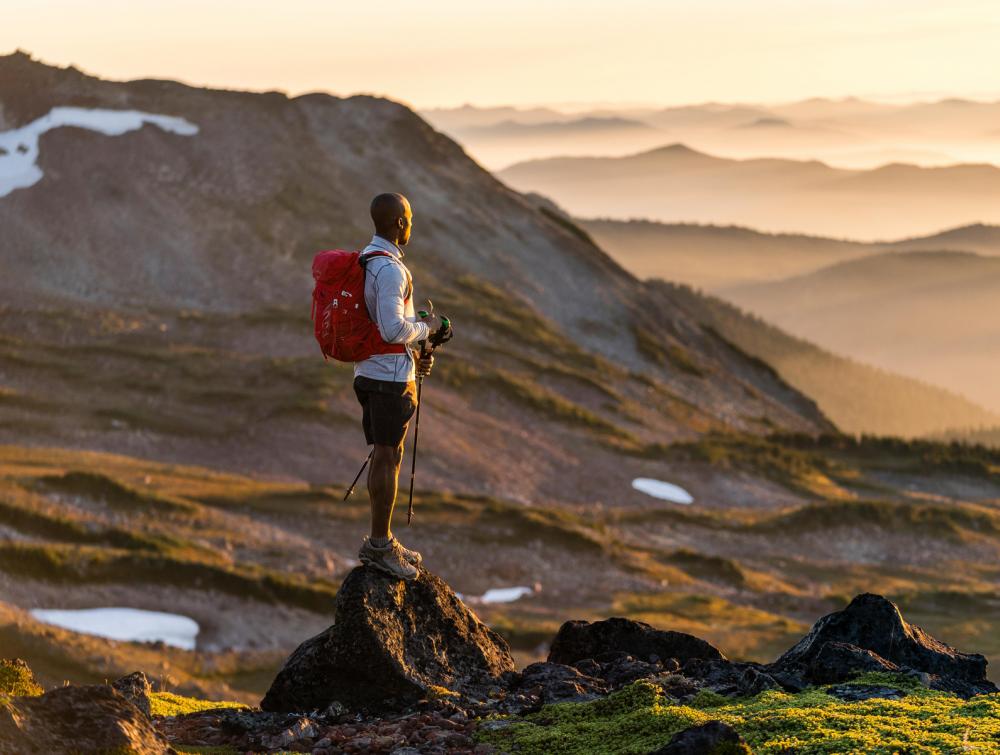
x=94 y=718
x=578 y=640
x=390 y=642
x=871 y=634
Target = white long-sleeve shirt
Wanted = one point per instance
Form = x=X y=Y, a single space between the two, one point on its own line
x=387 y=285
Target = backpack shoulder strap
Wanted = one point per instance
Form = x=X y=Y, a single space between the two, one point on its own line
x=365 y=257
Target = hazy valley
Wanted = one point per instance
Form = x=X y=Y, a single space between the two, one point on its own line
x=909 y=307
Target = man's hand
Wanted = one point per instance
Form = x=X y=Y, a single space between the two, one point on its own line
x=433 y=322
x=424 y=364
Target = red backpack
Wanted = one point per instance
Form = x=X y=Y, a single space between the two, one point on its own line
x=343 y=327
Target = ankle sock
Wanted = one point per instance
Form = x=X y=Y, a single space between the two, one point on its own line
x=380 y=542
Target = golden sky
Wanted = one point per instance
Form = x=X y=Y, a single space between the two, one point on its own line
x=448 y=52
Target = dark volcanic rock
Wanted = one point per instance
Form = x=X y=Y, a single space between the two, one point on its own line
x=713 y=738
x=872 y=623
x=92 y=718
x=390 y=641
x=625 y=669
x=728 y=678
x=578 y=640
x=136 y=689
x=554 y=682
x=835 y=658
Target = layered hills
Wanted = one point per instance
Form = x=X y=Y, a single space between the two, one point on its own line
x=846 y=133
x=676 y=183
x=930 y=315
x=715 y=257
x=905 y=307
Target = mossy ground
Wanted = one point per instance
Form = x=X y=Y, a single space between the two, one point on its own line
x=639 y=718
x=169 y=704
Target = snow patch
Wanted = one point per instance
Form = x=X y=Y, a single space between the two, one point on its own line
x=127 y=624
x=500 y=594
x=665 y=491
x=19 y=147
x=505 y=594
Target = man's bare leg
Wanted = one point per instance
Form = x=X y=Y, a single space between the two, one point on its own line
x=383 y=481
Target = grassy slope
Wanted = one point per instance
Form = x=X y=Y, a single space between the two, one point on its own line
x=678 y=568
x=749 y=579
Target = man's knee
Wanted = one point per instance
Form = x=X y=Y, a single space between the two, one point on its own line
x=391 y=455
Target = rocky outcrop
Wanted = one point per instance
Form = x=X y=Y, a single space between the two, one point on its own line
x=136 y=689
x=731 y=678
x=578 y=640
x=870 y=634
x=93 y=718
x=391 y=642
x=829 y=664
x=712 y=738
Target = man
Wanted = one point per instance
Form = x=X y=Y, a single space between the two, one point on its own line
x=385 y=383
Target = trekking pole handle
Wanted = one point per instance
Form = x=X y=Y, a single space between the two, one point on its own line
x=442 y=335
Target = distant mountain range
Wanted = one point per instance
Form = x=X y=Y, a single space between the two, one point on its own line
x=717 y=257
x=589 y=125
x=856 y=396
x=508 y=141
x=678 y=184
x=923 y=307
x=930 y=315
x=846 y=133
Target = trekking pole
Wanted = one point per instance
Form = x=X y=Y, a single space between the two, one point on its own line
x=416 y=437
x=353 y=484
x=438 y=337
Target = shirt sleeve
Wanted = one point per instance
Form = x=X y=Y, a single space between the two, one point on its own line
x=391 y=286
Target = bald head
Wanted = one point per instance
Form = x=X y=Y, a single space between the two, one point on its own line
x=392 y=217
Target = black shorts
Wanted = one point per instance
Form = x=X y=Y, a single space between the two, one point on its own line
x=386 y=409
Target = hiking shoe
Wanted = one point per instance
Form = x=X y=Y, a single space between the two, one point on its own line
x=389 y=559
x=412 y=556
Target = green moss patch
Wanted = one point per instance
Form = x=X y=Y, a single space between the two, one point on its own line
x=639 y=718
x=169 y=704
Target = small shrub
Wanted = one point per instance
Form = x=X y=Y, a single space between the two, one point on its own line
x=16 y=679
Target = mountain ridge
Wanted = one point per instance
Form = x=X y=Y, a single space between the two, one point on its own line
x=227 y=223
